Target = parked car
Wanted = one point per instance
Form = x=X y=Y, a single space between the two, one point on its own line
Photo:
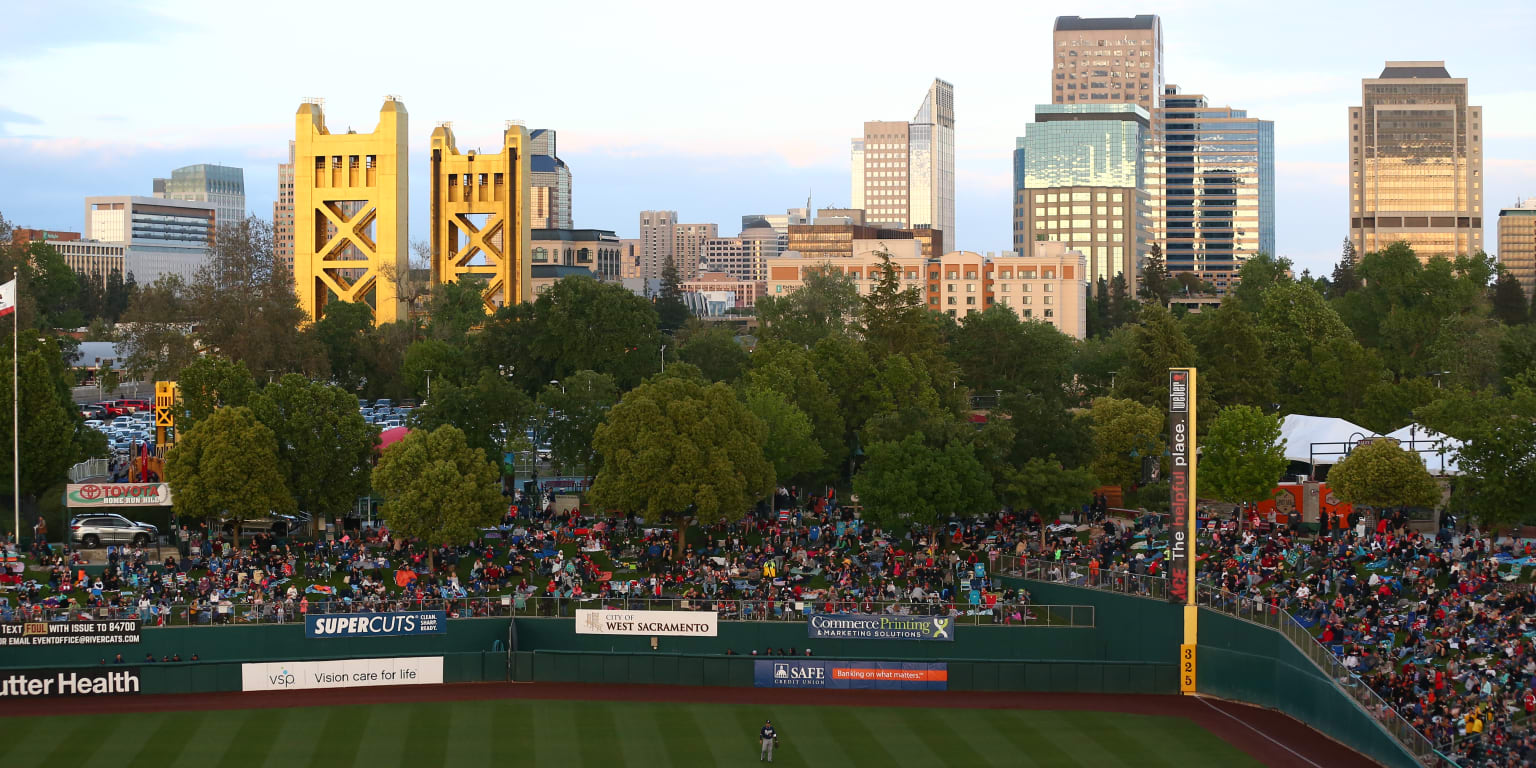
x=91 y=531
x=92 y=412
x=111 y=409
x=384 y=403
x=132 y=406
x=275 y=524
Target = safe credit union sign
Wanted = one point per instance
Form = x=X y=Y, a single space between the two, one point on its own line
x=117 y=494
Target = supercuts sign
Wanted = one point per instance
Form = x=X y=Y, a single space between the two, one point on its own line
x=1181 y=449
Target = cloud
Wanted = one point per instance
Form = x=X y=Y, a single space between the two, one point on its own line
x=12 y=117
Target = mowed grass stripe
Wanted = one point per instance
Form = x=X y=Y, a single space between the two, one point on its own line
x=384 y=735
x=250 y=742
x=644 y=735
x=340 y=733
x=295 y=735
x=1193 y=743
x=1131 y=751
x=212 y=738
x=599 y=743
x=73 y=747
x=979 y=730
x=937 y=734
x=1071 y=731
x=890 y=726
x=166 y=744
x=1033 y=746
x=863 y=745
x=469 y=733
x=804 y=739
x=127 y=738
x=514 y=732
x=554 y=746
x=426 y=737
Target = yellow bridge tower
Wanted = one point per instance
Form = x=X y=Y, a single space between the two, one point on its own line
x=350 y=212
x=480 y=216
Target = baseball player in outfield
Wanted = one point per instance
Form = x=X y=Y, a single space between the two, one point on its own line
x=769 y=739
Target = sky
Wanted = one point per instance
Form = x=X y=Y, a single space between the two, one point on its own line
x=714 y=110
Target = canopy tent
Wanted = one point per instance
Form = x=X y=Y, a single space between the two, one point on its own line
x=1440 y=453
x=391 y=436
x=1319 y=439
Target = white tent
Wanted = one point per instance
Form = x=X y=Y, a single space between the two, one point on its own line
x=1439 y=452
x=1319 y=439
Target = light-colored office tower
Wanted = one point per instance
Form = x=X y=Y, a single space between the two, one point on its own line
x=1113 y=60
x=1416 y=162
x=629 y=258
x=220 y=185
x=689 y=247
x=550 y=183
x=161 y=236
x=1079 y=177
x=1517 y=243
x=1210 y=186
x=745 y=256
x=282 y=215
x=87 y=258
x=903 y=173
x=658 y=242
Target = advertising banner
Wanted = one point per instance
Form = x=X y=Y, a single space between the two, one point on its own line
x=850 y=675
x=345 y=673
x=649 y=623
x=376 y=624
x=90 y=681
x=1181 y=452
x=872 y=626
x=115 y=632
x=117 y=494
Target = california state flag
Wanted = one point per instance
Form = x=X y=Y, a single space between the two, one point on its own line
x=8 y=298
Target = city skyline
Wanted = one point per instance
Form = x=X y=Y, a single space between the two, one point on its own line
x=633 y=152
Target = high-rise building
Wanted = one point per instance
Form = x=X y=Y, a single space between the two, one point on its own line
x=282 y=215
x=1115 y=60
x=1210 y=186
x=1517 y=243
x=903 y=173
x=658 y=242
x=220 y=185
x=1079 y=177
x=162 y=236
x=688 y=245
x=550 y=183
x=87 y=258
x=834 y=232
x=1416 y=162
x=744 y=257
x=24 y=236
x=629 y=257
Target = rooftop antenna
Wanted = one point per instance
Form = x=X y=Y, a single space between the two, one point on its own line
x=318 y=101
x=807 y=201
x=391 y=97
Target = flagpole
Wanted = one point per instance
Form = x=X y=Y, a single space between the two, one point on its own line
x=16 y=403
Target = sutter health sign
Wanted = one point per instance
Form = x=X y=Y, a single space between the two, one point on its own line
x=649 y=623
x=345 y=673
x=103 y=681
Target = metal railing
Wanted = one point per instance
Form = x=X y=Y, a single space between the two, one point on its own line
x=1249 y=609
x=90 y=468
x=284 y=611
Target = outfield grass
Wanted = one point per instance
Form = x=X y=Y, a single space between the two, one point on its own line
x=575 y=734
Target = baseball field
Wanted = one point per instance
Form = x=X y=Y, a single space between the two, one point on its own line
x=576 y=725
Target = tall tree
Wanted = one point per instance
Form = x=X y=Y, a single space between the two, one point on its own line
x=1256 y=277
x=52 y=436
x=1155 y=284
x=1243 y=457
x=1500 y=467
x=790 y=371
x=1235 y=366
x=343 y=334
x=895 y=318
x=996 y=351
x=576 y=407
x=716 y=353
x=1382 y=474
x=1123 y=307
x=226 y=467
x=437 y=488
x=1398 y=309
x=1157 y=344
x=912 y=481
x=676 y=448
x=455 y=309
x=324 y=448
x=245 y=308
x=156 y=330
x=1509 y=304
x=1125 y=433
x=825 y=304
x=671 y=312
x=789 y=445
x=1344 y=278
x=489 y=411
x=1049 y=487
x=209 y=383
x=580 y=324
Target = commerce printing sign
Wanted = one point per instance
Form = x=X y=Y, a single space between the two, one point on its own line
x=117 y=495
x=869 y=626
x=115 y=632
x=1181 y=480
x=649 y=623
x=376 y=624
x=91 y=681
x=850 y=675
x=344 y=673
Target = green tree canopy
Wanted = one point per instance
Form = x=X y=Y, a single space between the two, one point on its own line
x=1049 y=487
x=343 y=333
x=826 y=302
x=1235 y=367
x=580 y=324
x=1382 y=474
x=717 y=354
x=913 y=481
x=324 y=448
x=438 y=488
x=790 y=445
x=1243 y=457
x=791 y=371
x=488 y=412
x=1157 y=344
x=226 y=467
x=994 y=350
x=1155 y=284
x=576 y=406
x=675 y=447
x=1509 y=304
x=1124 y=433
x=53 y=438
x=209 y=383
